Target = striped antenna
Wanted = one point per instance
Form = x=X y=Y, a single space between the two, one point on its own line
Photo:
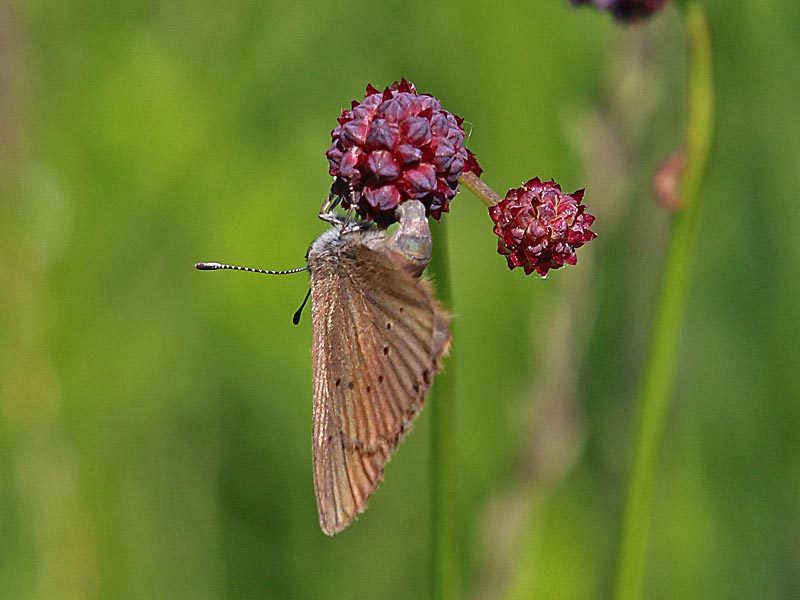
x=213 y=266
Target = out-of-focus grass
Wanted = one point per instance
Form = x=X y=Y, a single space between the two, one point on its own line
x=155 y=421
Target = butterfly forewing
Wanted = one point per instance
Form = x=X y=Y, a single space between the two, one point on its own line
x=378 y=337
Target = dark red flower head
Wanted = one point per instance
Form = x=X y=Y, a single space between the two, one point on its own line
x=540 y=226
x=394 y=146
x=626 y=10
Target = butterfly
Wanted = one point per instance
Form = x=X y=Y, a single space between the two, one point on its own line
x=378 y=337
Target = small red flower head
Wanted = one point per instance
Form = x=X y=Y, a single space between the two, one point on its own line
x=540 y=226
x=394 y=146
x=626 y=10
x=667 y=181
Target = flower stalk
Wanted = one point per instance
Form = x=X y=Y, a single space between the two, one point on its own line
x=659 y=376
x=445 y=560
x=479 y=188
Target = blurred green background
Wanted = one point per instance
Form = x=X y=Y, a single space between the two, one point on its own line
x=155 y=421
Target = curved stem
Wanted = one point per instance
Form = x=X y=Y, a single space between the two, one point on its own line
x=659 y=376
x=442 y=406
x=477 y=186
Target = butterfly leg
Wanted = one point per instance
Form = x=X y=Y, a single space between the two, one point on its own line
x=412 y=244
x=331 y=202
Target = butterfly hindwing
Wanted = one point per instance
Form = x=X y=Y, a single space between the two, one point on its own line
x=378 y=337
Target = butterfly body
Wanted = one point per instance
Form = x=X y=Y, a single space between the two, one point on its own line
x=379 y=334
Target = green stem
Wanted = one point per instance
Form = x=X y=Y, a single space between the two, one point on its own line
x=476 y=185
x=660 y=371
x=442 y=406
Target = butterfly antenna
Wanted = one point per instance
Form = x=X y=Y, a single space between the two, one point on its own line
x=296 y=317
x=213 y=266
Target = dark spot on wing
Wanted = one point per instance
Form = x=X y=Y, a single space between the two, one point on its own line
x=338 y=382
x=388 y=326
x=426 y=376
x=350 y=386
x=380 y=378
x=369 y=389
x=386 y=350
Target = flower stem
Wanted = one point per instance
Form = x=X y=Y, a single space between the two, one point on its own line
x=476 y=185
x=444 y=560
x=659 y=376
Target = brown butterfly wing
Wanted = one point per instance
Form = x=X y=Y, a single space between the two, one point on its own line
x=378 y=336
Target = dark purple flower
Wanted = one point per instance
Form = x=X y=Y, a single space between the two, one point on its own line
x=626 y=10
x=540 y=226
x=394 y=146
